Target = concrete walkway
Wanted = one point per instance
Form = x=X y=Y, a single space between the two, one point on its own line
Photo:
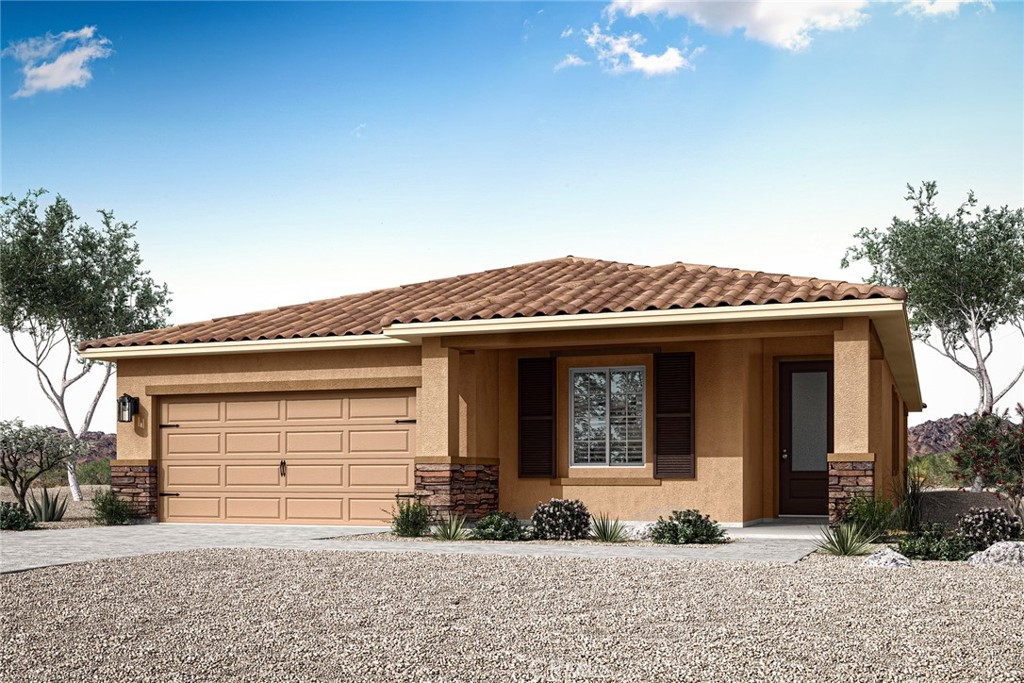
x=52 y=547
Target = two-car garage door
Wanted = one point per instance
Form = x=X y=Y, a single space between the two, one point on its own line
x=315 y=458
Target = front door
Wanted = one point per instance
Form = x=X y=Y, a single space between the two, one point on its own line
x=805 y=436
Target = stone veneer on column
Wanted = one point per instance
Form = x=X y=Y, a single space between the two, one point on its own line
x=458 y=489
x=135 y=481
x=848 y=479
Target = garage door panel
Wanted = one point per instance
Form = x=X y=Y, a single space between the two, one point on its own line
x=314 y=475
x=315 y=508
x=192 y=444
x=380 y=475
x=242 y=508
x=346 y=458
x=248 y=411
x=315 y=442
x=192 y=475
x=379 y=441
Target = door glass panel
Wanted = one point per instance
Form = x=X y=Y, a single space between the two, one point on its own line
x=810 y=422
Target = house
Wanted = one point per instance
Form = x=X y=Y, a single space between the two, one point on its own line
x=638 y=390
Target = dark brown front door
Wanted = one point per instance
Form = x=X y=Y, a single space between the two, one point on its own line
x=805 y=436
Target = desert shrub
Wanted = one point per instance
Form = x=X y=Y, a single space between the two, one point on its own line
x=687 y=526
x=109 y=510
x=931 y=542
x=13 y=517
x=96 y=472
x=938 y=471
x=410 y=517
x=909 y=492
x=847 y=538
x=607 y=530
x=47 y=509
x=981 y=527
x=499 y=526
x=451 y=528
x=992 y=452
x=873 y=515
x=561 y=520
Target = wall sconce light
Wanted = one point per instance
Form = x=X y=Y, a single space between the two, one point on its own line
x=127 y=408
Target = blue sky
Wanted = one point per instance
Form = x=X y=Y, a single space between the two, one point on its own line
x=280 y=152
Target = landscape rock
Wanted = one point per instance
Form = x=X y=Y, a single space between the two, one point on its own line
x=887 y=558
x=1003 y=554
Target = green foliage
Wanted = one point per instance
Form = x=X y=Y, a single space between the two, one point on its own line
x=109 y=510
x=561 y=520
x=938 y=470
x=13 y=517
x=499 y=526
x=992 y=449
x=848 y=538
x=687 y=526
x=451 y=528
x=607 y=530
x=96 y=472
x=963 y=272
x=45 y=508
x=874 y=516
x=26 y=453
x=981 y=527
x=910 y=498
x=410 y=517
x=931 y=542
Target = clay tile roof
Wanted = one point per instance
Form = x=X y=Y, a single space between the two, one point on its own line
x=561 y=286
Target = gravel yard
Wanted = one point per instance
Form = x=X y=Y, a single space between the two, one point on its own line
x=281 y=615
x=78 y=514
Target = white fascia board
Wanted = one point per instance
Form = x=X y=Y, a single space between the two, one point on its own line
x=114 y=353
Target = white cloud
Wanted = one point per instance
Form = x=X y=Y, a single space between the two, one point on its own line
x=621 y=54
x=54 y=62
x=358 y=131
x=567 y=31
x=934 y=8
x=569 y=61
x=786 y=25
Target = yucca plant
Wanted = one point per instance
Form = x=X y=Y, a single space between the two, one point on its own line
x=845 y=539
x=47 y=509
x=607 y=530
x=451 y=528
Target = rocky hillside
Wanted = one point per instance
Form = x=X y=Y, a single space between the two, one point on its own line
x=104 y=445
x=935 y=436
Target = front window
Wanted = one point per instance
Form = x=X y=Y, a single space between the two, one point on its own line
x=607 y=416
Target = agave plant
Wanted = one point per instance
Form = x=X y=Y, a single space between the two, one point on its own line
x=451 y=528
x=607 y=530
x=845 y=539
x=47 y=509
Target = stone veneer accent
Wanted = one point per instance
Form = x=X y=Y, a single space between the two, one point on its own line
x=460 y=489
x=846 y=480
x=136 y=483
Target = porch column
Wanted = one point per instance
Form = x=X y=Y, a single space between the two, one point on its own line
x=851 y=466
x=448 y=478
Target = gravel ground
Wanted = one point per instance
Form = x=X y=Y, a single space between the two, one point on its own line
x=78 y=514
x=279 y=615
x=389 y=537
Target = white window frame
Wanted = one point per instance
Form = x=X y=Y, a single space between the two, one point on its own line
x=608 y=369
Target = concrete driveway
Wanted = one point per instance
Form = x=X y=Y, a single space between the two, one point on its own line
x=46 y=548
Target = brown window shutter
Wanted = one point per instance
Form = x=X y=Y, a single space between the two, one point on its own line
x=537 y=417
x=674 y=456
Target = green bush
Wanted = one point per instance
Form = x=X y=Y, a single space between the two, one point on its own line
x=14 y=518
x=499 y=526
x=909 y=491
x=45 y=508
x=607 y=530
x=687 y=526
x=109 y=510
x=451 y=528
x=938 y=471
x=410 y=517
x=95 y=472
x=848 y=538
x=981 y=527
x=931 y=542
x=873 y=515
x=561 y=520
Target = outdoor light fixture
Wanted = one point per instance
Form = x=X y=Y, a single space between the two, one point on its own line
x=127 y=408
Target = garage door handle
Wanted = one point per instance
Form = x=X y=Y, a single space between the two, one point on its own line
x=406 y=422
x=169 y=494
x=283 y=468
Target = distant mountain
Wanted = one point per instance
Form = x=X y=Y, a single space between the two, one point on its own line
x=104 y=445
x=935 y=436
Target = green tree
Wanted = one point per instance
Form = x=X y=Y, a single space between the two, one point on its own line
x=28 y=452
x=964 y=276
x=63 y=282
